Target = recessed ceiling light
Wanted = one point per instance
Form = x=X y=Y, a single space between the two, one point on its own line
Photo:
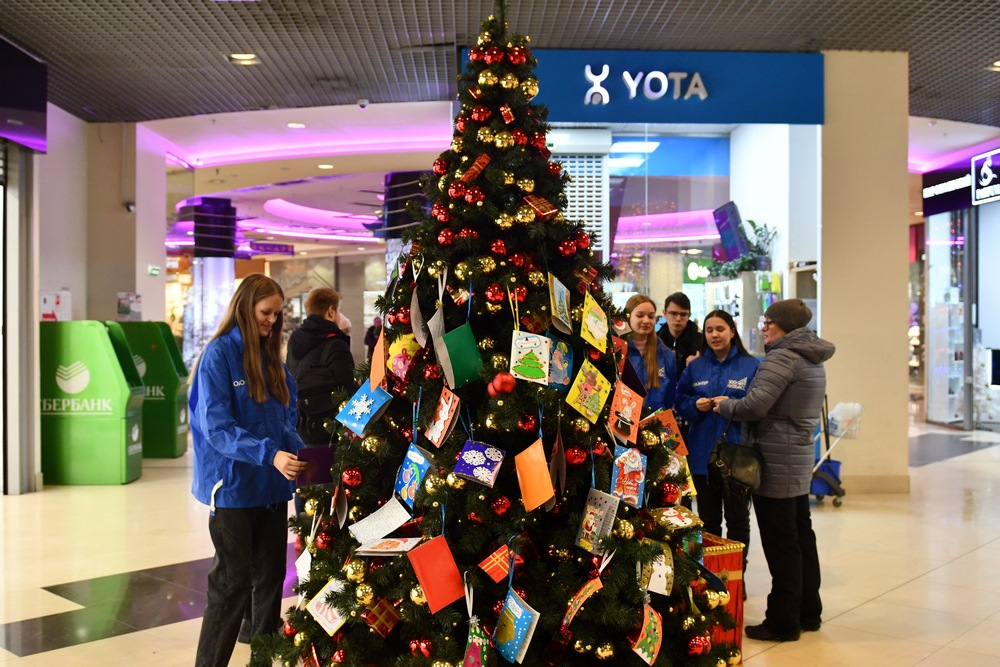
x=996 y=63
x=303 y=252
x=268 y=238
x=244 y=59
x=190 y=233
x=360 y=248
x=261 y=230
x=325 y=166
x=919 y=213
x=634 y=146
x=296 y=126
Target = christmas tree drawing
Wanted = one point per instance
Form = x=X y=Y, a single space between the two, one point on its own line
x=474 y=272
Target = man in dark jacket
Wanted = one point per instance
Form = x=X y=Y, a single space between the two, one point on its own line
x=781 y=411
x=680 y=334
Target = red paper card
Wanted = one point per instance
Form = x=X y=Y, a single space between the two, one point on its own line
x=437 y=573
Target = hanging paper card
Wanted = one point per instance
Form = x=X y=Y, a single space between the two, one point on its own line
x=529 y=357
x=594 y=327
x=381 y=616
x=479 y=462
x=598 y=520
x=632 y=380
x=401 y=353
x=338 y=506
x=377 y=375
x=515 y=628
x=443 y=420
x=478 y=652
x=559 y=300
x=672 y=436
x=560 y=363
x=411 y=474
x=658 y=576
x=533 y=476
x=589 y=392
x=620 y=347
x=365 y=407
x=437 y=573
x=462 y=354
x=647 y=646
x=557 y=465
x=381 y=522
x=319 y=460
x=628 y=476
x=417 y=320
x=582 y=595
x=620 y=327
x=688 y=487
x=626 y=406
x=497 y=564
x=328 y=616
x=387 y=545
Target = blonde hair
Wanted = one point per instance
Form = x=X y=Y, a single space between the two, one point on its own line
x=648 y=354
x=255 y=288
x=320 y=300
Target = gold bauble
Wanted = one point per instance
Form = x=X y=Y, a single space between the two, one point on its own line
x=459 y=172
x=433 y=483
x=526 y=184
x=499 y=362
x=504 y=139
x=509 y=81
x=525 y=215
x=417 y=596
x=457 y=144
x=605 y=651
x=735 y=657
x=455 y=482
x=711 y=598
x=487 y=344
x=576 y=313
x=371 y=443
x=529 y=87
x=484 y=38
x=442 y=183
x=508 y=178
x=490 y=421
x=462 y=270
x=300 y=638
x=580 y=647
x=720 y=663
x=505 y=221
x=355 y=571
x=364 y=594
x=623 y=529
x=441 y=663
x=559 y=217
x=357 y=513
x=311 y=506
x=688 y=622
x=580 y=425
x=536 y=278
x=488 y=78
x=493 y=308
x=724 y=598
x=649 y=439
x=487 y=264
x=485 y=135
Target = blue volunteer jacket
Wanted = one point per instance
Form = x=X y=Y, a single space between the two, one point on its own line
x=662 y=396
x=707 y=377
x=235 y=437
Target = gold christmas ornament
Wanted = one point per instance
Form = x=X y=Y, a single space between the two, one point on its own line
x=723 y=598
x=649 y=439
x=580 y=647
x=462 y=270
x=576 y=313
x=487 y=264
x=504 y=139
x=720 y=663
x=509 y=81
x=457 y=144
x=487 y=78
x=605 y=651
x=417 y=596
x=688 y=622
x=525 y=215
x=455 y=482
x=364 y=594
x=536 y=278
x=735 y=657
x=529 y=87
x=443 y=183
x=433 y=483
x=505 y=221
x=624 y=529
x=559 y=217
x=484 y=38
x=499 y=362
x=487 y=344
x=311 y=506
x=508 y=178
x=300 y=638
x=357 y=513
x=712 y=598
x=355 y=571
x=493 y=308
x=371 y=444
x=491 y=423
x=526 y=184
x=441 y=663
x=485 y=135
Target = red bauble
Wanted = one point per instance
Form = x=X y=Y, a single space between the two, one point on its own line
x=323 y=541
x=493 y=55
x=460 y=122
x=538 y=140
x=600 y=448
x=481 y=113
x=491 y=391
x=468 y=233
x=555 y=168
x=517 y=259
x=446 y=237
x=669 y=493
x=438 y=209
x=567 y=248
x=498 y=247
x=520 y=293
x=495 y=293
x=520 y=138
x=527 y=423
x=582 y=240
x=498 y=607
x=500 y=505
x=699 y=645
x=432 y=372
x=474 y=195
x=504 y=382
x=352 y=476
x=575 y=456
x=521 y=591
x=339 y=656
x=289 y=629
x=414 y=646
x=456 y=190
x=406 y=432
x=403 y=315
x=441 y=165
x=426 y=647
x=475 y=54
x=594 y=354
x=518 y=55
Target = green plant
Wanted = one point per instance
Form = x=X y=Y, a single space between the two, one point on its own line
x=757 y=247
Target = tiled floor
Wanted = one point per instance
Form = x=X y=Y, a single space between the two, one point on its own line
x=907 y=579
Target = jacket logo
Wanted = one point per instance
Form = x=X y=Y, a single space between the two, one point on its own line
x=239 y=383
x=700 y=384
x=737 y=384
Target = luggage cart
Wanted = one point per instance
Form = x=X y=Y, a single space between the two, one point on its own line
x=826 y=472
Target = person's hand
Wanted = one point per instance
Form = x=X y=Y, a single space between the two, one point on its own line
x=717 y=401
x=692 y=357
x=704 y=404
x=289 y=465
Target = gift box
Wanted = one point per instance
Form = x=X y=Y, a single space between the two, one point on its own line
x=381 y=616
x=725 y=558
x=541 y=206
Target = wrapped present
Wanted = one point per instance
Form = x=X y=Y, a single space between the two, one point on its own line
x=507 y=113
x=472 y=173
x=725 y=558
x=381 y=616
x=476 y=92
x=497 y=564
x=541 y=206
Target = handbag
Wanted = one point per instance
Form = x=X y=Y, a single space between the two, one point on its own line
x=735 y=467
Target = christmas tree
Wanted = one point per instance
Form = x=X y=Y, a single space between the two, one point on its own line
x=473 y=519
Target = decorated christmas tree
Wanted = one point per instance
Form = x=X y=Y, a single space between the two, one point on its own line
x=487 y=505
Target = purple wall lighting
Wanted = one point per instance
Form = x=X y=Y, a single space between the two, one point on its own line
x=677 y=227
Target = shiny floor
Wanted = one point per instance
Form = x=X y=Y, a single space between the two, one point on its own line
x=115 y=575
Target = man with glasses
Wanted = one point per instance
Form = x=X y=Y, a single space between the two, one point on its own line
x=680 y=334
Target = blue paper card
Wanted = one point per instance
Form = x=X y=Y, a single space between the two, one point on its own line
x=411 y=474
x=515 y=627
x=366 y=405
x=628 y=476
x=560 y=364
x=479 y=462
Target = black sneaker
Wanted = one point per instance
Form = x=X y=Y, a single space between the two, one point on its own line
x=810 y=624
x=763 y=633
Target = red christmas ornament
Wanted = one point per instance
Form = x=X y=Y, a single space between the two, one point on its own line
x=474 y=518
x=460 y=122
x=446 y=237
x=456 y=190
x=538 y=140
x=520 y=138
x=493 y=55
x=475 y=54
x=575 y=456
x=289 y=629
x=567 y=248
x=352 y=476
x=323 y=541
x=498 y=247
x=440 y=166
x=491 y=391
x=669 y=493
x=699 y=645
x=517 y=259
x=522 y=591
x=406 y=432
x=504 y=382
x=555 y=168
x=518 y=55
x=444 y=216
x=520 y=293
x=500 y=505
x=415 y=646
x=474 y=195
x=582 y=240
x=495 y=293
x=599 y=448
x=527 y=423
x=391 y=317
x=594 y=354
x=432 y=372
x=481 y=113
x=426 y=647
x=403 y=315
x=438 y=209
x=339 y=656
x=498 y=607
x=468 y=233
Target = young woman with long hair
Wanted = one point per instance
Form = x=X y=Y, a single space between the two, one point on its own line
x=655 y=364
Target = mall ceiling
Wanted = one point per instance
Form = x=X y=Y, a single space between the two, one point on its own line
x=139 y=60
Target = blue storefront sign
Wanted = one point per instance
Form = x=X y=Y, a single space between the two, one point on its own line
x=680 y=87
x=272 y=248
x=986 y=177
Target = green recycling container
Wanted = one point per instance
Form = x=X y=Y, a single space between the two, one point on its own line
x=91 y=410
x=161 y=367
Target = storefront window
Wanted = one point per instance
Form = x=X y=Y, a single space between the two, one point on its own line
x=946 y=317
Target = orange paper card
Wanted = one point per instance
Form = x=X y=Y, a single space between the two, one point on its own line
x=377 y=376
x=533 y=476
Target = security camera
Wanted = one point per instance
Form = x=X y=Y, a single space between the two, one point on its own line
x=129 y=206
x=363 y=103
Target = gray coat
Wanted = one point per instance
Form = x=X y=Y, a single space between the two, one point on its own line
x=782 y=409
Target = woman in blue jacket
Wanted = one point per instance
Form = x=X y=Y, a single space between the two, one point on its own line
x=654 y=363
x=242 y=406
x=724 y=368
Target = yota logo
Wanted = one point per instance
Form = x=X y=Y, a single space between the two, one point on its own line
x=74 y=378
x=140 y=365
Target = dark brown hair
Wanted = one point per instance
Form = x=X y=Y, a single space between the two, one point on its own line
x=731 y=323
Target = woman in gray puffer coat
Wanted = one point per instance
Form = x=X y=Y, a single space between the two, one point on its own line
x=780 y=411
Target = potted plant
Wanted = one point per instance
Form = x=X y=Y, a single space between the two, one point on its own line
x=757 y=257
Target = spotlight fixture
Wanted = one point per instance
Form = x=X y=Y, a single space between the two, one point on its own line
x=244 y=59
x=296 y=126
x=325 y=166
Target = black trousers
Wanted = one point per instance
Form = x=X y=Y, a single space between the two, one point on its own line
x=789 y=544
x=248 y=569
x=714 y=503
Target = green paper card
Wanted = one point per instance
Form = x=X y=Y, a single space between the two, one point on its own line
x=464 y=361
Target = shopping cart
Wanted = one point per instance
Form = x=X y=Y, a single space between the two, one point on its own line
x=843 y=422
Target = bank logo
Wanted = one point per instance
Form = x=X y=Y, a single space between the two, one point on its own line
x=74 y=378
x=182 y=416
x=140 y=365
x=135 y=433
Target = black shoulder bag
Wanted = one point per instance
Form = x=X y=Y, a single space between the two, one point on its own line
x=734 y=467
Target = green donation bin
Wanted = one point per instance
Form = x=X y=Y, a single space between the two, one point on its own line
x=161 y=367
x=91 y=409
